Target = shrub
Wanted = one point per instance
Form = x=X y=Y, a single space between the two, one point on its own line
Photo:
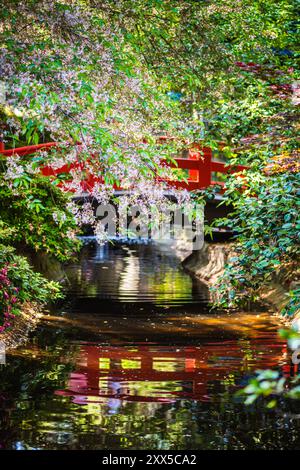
x=20 y=284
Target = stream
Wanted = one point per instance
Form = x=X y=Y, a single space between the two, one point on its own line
x=133 y=358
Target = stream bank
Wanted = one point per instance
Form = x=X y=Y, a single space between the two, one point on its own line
x=22 y=326
x=31 y=311
x=208 y=265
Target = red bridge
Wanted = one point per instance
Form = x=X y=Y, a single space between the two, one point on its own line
x=202 y=171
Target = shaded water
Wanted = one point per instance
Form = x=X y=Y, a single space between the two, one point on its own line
x=133 y=359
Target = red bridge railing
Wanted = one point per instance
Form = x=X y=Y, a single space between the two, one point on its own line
x=199 y=164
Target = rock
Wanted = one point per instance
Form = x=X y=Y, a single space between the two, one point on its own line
x=209 y=262
x=208 y=265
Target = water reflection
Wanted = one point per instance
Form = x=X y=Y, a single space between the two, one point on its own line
x=158 y=375
x=135 y=273
x=152 y=373
x=82 y=395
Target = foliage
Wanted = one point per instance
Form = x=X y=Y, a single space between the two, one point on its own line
x=269 y=385
x=115 y=74
x=267 y=225
x=293 y=305
x=33 y=217
x=33 y=211
x=20 y=284
x=74 y=79
x=266 y=384
x=284 y=163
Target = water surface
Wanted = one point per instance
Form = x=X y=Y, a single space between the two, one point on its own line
x=134 y=359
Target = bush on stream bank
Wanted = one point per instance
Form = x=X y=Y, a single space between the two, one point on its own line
x=19 y=284
x=34 y=219
x=266 y=221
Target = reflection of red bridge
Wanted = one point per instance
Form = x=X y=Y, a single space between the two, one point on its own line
x=202 y=170
x=162 y=374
